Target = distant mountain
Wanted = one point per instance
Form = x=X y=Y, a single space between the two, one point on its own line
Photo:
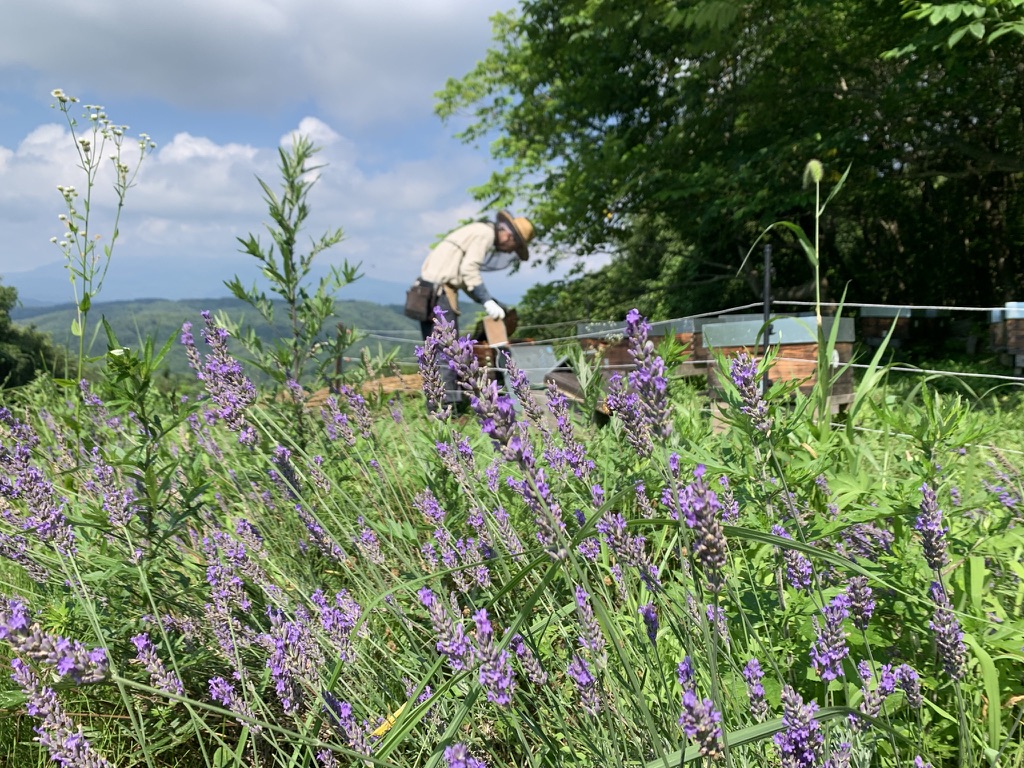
x=385 y=328
x=185 y=277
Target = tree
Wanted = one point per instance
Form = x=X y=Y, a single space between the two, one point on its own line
x=626 y=122
x=23 y=351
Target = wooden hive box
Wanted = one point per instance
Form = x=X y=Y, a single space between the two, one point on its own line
x=873 y=324
x=796 y=338
x=490 y=335
x=997 y=331
x=1013 y=322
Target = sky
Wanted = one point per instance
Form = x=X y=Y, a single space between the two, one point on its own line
x=219 y=85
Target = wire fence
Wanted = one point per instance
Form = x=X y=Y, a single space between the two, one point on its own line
x=613 y=330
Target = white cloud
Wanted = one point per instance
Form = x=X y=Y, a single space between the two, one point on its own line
x=359 y=62
x=356 y=76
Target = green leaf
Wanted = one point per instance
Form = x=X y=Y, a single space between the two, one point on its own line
x=990 y=681
x=76 y=327
x=956 y=36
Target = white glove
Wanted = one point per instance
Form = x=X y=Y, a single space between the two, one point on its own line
x=494 y=310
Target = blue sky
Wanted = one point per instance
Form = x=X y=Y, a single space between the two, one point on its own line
x=218 y=85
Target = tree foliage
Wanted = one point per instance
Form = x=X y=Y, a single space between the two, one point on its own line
x=23 y=351
x=632 y=123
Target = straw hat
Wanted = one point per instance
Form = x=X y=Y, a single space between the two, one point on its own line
x=522 y=228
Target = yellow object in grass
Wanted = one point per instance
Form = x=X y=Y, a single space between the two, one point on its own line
x=388 y=722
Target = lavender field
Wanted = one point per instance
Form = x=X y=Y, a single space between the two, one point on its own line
x=231 y=578
x=225 y=575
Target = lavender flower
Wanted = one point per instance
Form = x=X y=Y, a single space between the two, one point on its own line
x=163 y=678
x=429 y=506
x=521 y=387
x=631 y=550
x=284 y=473
x=457 y=756
x=719 y=620
x=649 y=614
x=910 y=683
x=873 y=697
x=701 y=723
x=573 y=453
x=430 y=361
x=66 y=743
x=360 y=410
x=531 y=665
x=507 y=533
x=496 y=413
x=648 y=379
x=119 y=503
x=949 y=638
x=753 y=674
x=730 y=507
x=295 y=657
x=929 y=524
x=586 y=684
x=536 y=493
x=801 y=742
x=591 y=637
x=643 y=503
x=451 y=638
x=230 y=390
x=862 y=605
x=34 y=506
x=339 y=715
x=627 y=407
x=865 y=540
x=743 y=372
x=799 y=571
x=841 y=756
x=320 y=537
x=67 y=658
x=337 y=424
x=494 y=668
x=699 y=506
x=224 y=693
x=684 y=672
x=338 y=621
x=367 y=543
x=830 y=648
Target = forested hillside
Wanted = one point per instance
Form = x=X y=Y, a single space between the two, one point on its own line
x=160 y=319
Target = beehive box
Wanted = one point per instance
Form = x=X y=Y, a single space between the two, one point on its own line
x=1013 y=321
x=609 y=341
x=490 y=335
x=796 y=338
x=873 y=324
x=997 y=331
